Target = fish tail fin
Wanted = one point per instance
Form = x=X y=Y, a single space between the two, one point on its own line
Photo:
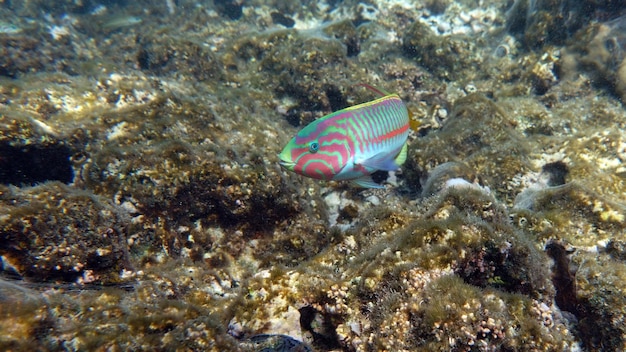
x=414 y=124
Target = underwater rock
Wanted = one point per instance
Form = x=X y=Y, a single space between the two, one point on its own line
x=446 y=175
x=15 y=58
x=563 y=277
x=281 y=19
x=346 y=32
x=575 y=204
x=576 y=215
x=320 y=327
x=542 y=75
x=32 y=164
x=156 y=313
x=507 y=262
x=23 y=315
x=616 y=249
x=601 y=317
x=446 y=56
x=58 y=8
x=20 y=54
x=232 y=9
x=437 y=6
x=552 y=176
x=278 y=343
x=54 y=232
x=170 y=55
x=172 y=164
x=459 y=270
x=601 y=51
x=49 y=44
x=479 y=134
x=552 y=22
x=237 y=199
x=299 y=66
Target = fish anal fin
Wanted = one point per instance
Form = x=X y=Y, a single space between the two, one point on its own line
x=366 y=182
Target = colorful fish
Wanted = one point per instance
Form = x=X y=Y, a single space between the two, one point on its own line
x=352 y=143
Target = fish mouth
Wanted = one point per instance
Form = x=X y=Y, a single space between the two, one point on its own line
x=286 y=164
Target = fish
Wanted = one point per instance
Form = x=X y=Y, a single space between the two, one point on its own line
x=352 y=143
x=120 y=21
x=9 y=28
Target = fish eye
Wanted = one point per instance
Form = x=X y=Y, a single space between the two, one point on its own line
x=314 y=147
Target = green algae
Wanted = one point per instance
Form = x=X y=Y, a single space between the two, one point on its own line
x=382 y=276
x=464 y=304
x=476 y=133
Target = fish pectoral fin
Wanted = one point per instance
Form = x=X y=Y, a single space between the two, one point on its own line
x=381 y=161
x=384 y=161
x=401 y=158
x=366 y=182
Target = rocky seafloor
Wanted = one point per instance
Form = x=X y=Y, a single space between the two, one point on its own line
x=142 y=206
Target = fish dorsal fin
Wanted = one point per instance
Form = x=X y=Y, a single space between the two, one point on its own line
x=378 y=91
x=414 y=124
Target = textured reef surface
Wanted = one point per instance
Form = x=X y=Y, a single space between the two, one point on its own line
x=142 y=206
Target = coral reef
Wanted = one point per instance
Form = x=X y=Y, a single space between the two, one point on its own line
x=142 y=206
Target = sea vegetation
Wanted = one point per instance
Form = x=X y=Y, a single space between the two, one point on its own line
x=541 y=22
x=173 y=227
x=448 y=57
x=54 y=232
x=459 y=276
x=600 y=50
